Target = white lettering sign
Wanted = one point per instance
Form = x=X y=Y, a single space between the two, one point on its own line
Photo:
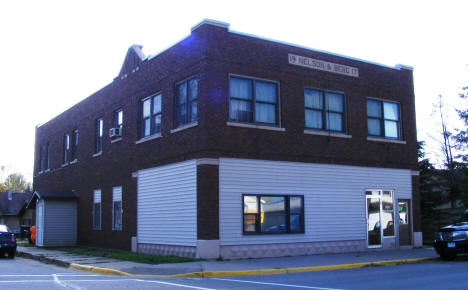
x=323 y=65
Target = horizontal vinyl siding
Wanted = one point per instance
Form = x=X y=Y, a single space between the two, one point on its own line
x=60 y=220
x=334 y=197
x=167 y=205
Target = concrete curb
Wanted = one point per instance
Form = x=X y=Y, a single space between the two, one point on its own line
x=43 y=259
x=99 y=270
x=208 y=274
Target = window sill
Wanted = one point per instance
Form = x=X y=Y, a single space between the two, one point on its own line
x=97 y=154
x=147 y=138
x=116 y=140
x=377 y=139
x=184 y=127
x=326 y=133
x=47 y=170
x=74 y=161
x=65 y=164
x=262 y=127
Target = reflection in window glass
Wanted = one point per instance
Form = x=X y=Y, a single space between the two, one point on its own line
x=387 y=213
x=250 y=204
x=386 y=124
x=250 y=223
x=273 y=214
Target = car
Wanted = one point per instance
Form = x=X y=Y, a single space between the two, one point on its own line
x=452 y=240
x=7 y=242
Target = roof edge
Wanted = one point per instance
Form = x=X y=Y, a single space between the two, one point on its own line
x=211 y=22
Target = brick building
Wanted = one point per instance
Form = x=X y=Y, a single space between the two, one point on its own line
x=231 y=145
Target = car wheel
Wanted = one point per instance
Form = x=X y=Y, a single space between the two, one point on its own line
x=11 y=255
x=447 y=256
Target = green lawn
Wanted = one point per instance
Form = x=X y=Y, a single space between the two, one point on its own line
x=122 y=255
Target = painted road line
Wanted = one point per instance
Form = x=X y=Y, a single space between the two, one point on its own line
x=274 y=284
x=173 y=284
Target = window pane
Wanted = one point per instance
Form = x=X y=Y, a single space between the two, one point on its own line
x=249 y=222
x=157 y=104
x=313 y=119
x=313 y=99
x=250 y=204
x=146 y=108
x=334 y=102
x=147 y=127
x=374 y=108
x=157 y=124
x=180 y=119
x=240 y=88
x=117 y=215
x=100 y=125
x=391 y=111
x=265 y=92
x=335 y=122
x=273 y=216
x=97 y=216
x=387 y=213
x=295 y=205
x=240 y=111
x=295 y=223
x=373 y=127
x=193 y=111
x=391 y=129
x=265 y=113
x=193 y=87
x=120 y=118
x=182 y=93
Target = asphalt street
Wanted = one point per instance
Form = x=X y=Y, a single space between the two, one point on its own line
x=28 y=274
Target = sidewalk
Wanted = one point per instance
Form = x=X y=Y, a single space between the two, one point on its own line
x=230 y=268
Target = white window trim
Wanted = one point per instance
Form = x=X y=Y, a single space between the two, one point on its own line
x=327 y=133
x=193 y=124
x=148 y=138
x=382 y=139
x=248 y=125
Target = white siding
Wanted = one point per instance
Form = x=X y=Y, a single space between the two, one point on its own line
x=167 y=204
x=334 y=197
x=60 y=219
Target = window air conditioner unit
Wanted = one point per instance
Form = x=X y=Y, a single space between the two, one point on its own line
x=115 y=132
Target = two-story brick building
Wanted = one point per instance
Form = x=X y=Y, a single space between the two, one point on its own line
x=231 y=145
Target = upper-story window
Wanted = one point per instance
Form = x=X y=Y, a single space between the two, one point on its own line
x=98 y=140
x=118 y=119
x=186 y=102
x=383 y=119
x=42 y=158
x=253 y=101
x=150 y=116
x=47 y=163
x=74 y=145
x=324 y=110
x=66 y=148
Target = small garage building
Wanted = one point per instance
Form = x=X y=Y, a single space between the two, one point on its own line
x=56 y=217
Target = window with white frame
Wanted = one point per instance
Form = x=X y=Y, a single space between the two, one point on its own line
x=97 y=210
x=117 y=208
x=324 y=110
x=66 y=148
x=150 y=123
x=383 y=119
x=253 y=101
x=98 y=139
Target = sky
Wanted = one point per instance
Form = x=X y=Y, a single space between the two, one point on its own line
x=54 y=54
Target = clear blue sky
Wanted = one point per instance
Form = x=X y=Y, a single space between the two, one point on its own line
x=55 y=53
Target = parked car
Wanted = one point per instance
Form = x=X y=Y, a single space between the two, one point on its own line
x=7 y=242
x=452 y=240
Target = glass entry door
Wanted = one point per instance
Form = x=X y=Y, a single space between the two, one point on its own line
x=374 y=236
x=380 y=216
